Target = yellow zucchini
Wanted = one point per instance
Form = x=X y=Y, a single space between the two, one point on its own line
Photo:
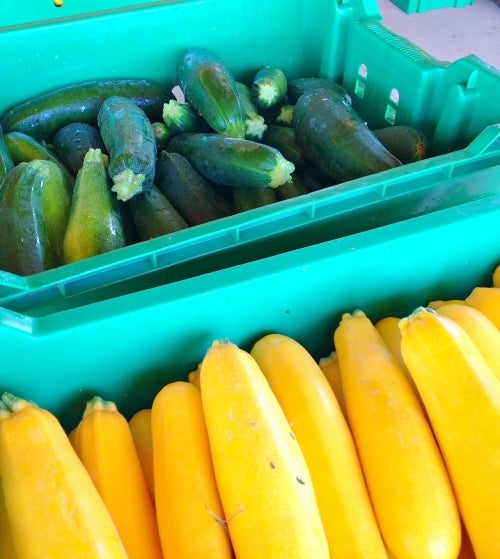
x=140 y=427
x=486 y=300
x=319 y=426
x=496 y=277
x=479 y=327
x=194 y=377
x=330 y=368
x=436 y=303
x=406 y=476
x=264 y=483
x=106 y=448
x=462 y=398
x=188 y=507
x=53 y=506
x=7 y=550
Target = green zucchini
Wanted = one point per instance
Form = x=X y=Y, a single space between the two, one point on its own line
x=407 y=143
x=154 y=215
x=209 y=86
x=255 y=125
x=233 y=161
x=42 y=116
x=245 y=199
x=130 y=141
x=269 y=87
x=336 y=140
x=6 y=162
x=23 y=148
x=283 y=138
x=72 y=142
x=162 y=134
x=180 y=117
x=191 y=195
x=298 y=86
x=292 y=189
x=95 y=224
x=34 y=212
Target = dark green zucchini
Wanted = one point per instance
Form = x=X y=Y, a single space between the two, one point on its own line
x=23 y=148
x=6 y=162
x=291 y=189
x=233 y=161
x=336 y=140
x=283 y=139
x=43 y=115
x=162 y=134
x=255 y=125
x=180 y=117
x=34 y=211
x=245 y=199
x=72 y=142
x=407 y=143
x=190 y=194
x=298 y=86
x=95 y=225
x=269 y=87
x=130 y=141
x=154 y=215
x=209 y=86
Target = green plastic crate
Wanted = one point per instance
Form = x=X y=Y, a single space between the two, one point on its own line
x=125 y=349
x=390 y=79
x=410 y=6
x=441 y=182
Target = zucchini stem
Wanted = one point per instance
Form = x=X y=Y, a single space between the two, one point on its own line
x=127 y=184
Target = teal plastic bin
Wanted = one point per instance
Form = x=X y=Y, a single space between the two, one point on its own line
x=390 y=79
x=125 y=349
x=410 y=6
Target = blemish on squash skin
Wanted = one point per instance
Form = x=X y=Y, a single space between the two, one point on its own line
x=273 y=465
x=301 y=481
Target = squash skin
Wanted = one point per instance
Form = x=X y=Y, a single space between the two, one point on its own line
x=107 y=450
x=415 y=506
x=233 y=161
x=130 y=141
x=264 y=483
x=95 y=223
x=323 y=434
x=34 y=211
x=43 y=115
x=44 y=479
x=462 y=398
x=336 y=140
x=140 y=427
x=189 y=512
x=210 y=88
x=479 y=327
x=486 y=300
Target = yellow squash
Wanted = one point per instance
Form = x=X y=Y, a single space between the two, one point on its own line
x=330 y=367
x=264 y=484
x=140 y=427
x=189 y=511
x=406 y=476
x=7 y=550
x=496 y=277
x=436 y=303
x=53 y=506
x=106 y=448
x=326 y=441
x=479 y=327
x=462 y=397
x=486 y=300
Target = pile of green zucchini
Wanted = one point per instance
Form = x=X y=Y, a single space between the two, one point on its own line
x=94 y=166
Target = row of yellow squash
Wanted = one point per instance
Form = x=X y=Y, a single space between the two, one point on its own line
x=387 y=448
